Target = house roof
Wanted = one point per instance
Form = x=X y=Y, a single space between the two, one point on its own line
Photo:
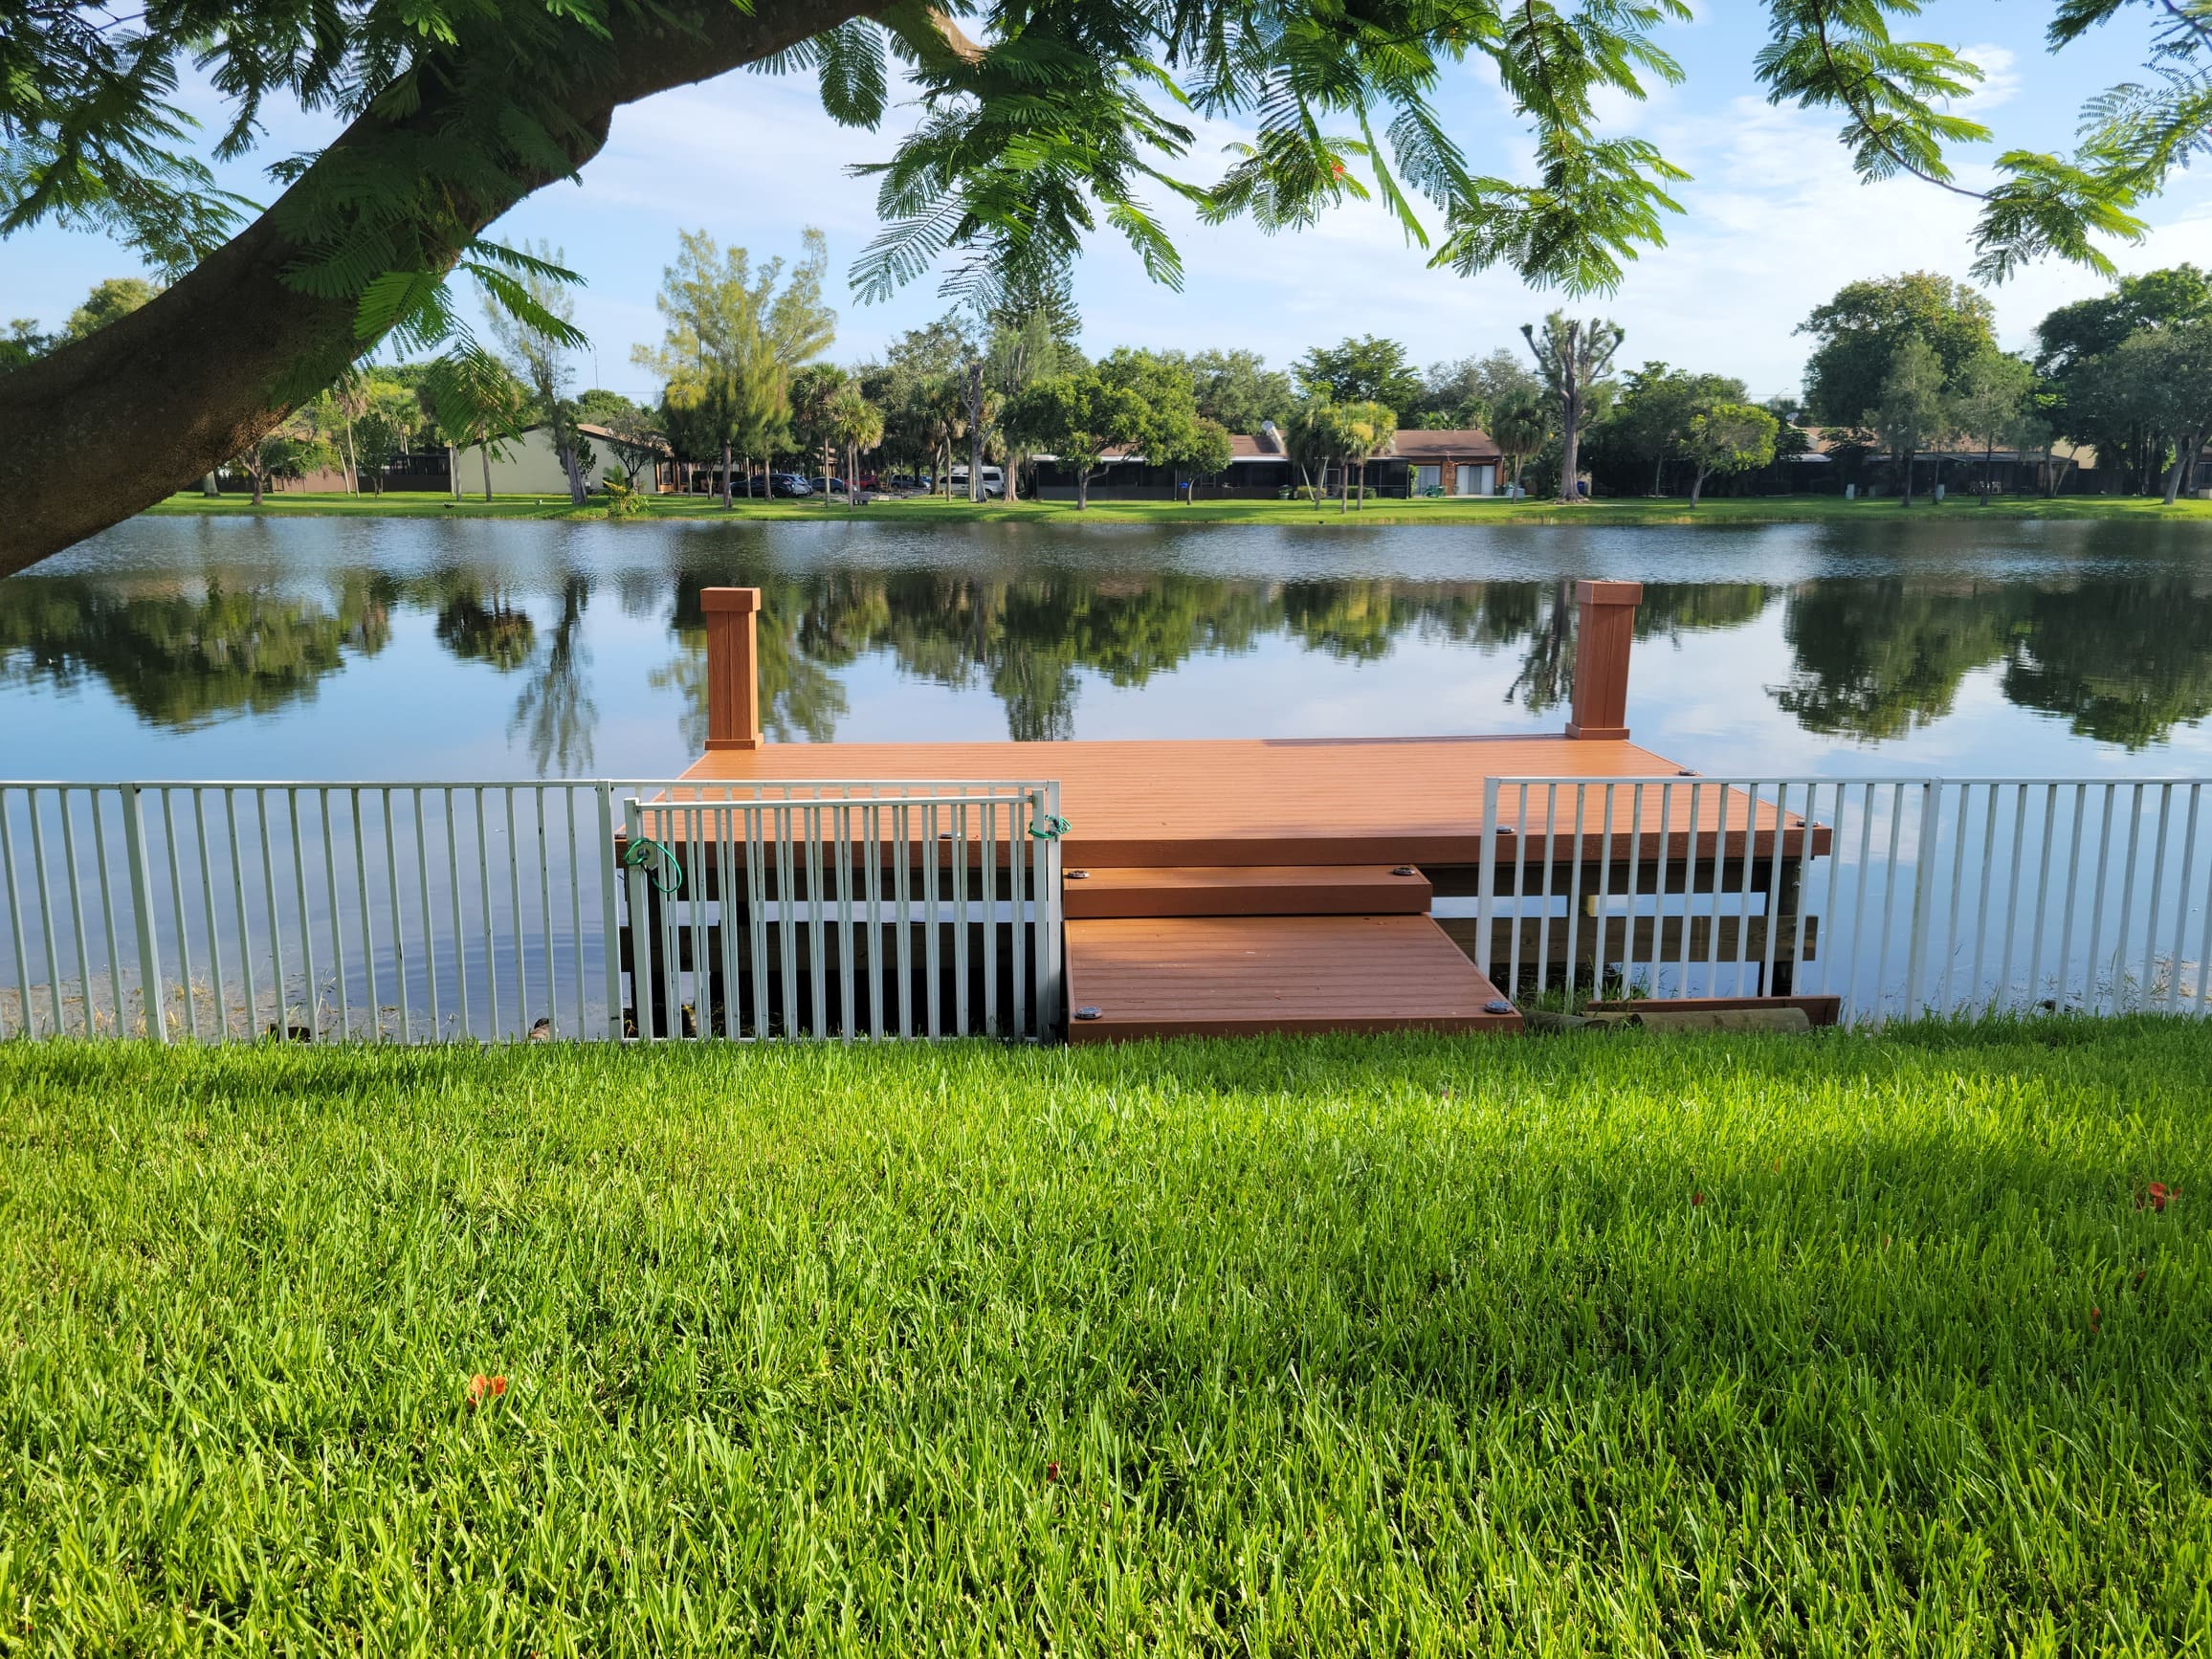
x=1458 y=444
x=1409 y=444
x=590 y=430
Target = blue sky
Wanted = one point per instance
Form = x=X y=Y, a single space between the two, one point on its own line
x=1774 y=221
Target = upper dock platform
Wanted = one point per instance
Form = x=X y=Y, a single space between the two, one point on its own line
x=1247 y=801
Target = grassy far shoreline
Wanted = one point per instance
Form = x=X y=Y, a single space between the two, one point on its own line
x=1660 y=510
x=1857 y=1343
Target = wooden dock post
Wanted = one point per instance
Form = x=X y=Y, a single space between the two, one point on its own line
x=1604 y=627
x=732 y=667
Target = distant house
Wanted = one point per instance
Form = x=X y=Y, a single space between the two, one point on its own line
x=2067 y=468
x=1464 y=462
x=527 y=464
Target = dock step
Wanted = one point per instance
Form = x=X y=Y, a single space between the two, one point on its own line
x=1133 y=891
x=1249 y=975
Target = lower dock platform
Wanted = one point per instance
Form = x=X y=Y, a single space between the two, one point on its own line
x=1238 y=976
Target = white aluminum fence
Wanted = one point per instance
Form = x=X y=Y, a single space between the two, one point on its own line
x=423 y=912
x=1902 y=896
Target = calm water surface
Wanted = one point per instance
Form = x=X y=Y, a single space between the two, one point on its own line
x=241 y=648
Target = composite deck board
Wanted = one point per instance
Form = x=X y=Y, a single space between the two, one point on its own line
x=1247 y=801
x=1227 y=976
x=1247 y=890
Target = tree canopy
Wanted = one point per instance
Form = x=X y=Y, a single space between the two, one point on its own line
x=1367 y=370
x=1049 y=124
x=1856 y=337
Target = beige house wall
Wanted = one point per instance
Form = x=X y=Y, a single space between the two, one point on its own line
x=530 y=465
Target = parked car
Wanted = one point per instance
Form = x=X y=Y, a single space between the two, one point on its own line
x=791 y=484
x=994 y=482
x=828 y=486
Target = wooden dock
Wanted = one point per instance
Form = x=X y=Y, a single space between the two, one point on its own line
x=1249 y=885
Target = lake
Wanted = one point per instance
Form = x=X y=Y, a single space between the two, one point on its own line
x=327 y=648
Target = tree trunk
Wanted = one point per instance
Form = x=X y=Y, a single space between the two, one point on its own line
x=1570 y=447
x=727 y=480
x=208 y=486
x=2184 y=462
x=353 y=461
x=256 y=477
x=113 y=422
x=975 y=408
x=453 y=471
x=1343 y=487
x=484 y=455
x=577 y=493
x=1658 y=473
x=1697 y=486
x=1082 y=490
x=1910 y=455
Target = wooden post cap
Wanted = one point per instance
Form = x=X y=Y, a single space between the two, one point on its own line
x=712 y=599
x=1609 y=593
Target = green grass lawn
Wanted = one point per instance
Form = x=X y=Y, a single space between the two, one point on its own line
x=1622 y=1344
x=1746 y=510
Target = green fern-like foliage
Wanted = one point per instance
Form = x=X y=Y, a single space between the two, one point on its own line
x=1041 y=124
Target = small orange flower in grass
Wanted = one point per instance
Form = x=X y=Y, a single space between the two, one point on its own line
x=2155 y=1196
x=1052 y=1473
x=482 y=1388
x=1696 y=1199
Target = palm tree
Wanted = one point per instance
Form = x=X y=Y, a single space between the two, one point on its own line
x=1520 y=431
x=478 y=402
x=855 y=425
x=1368 y=430
x=1311 y=439
x=943 y=410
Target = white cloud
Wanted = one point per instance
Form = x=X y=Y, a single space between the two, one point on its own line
x=2001 y=79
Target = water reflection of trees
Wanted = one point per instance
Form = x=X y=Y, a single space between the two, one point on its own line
x=2122 y=659
x=1028 y=640
x=181 y=662
x=554 y=713
x=480 y=624
x=1877 y=658
x=2124 y=662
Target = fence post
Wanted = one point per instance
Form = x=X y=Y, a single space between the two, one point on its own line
x=1052 y=984
x=643 y=957
x=609 y=918
x=1923 y=894
x=732 y=667
x=142 y=904
x=1485 y=877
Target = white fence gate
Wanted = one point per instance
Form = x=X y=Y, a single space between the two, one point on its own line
x=426 y=912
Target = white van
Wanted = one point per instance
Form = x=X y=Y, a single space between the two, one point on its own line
x=994 y=482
